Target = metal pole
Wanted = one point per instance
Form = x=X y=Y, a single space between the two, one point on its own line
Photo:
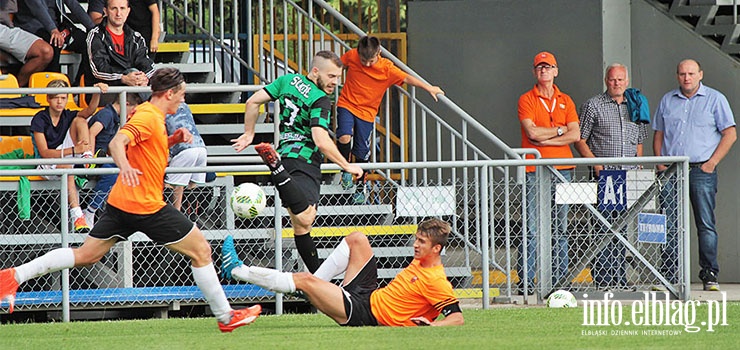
x=684 y=193
x=485 y=229
x=65 y=244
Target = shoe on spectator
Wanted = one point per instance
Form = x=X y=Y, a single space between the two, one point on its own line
x=8 y=287
x=229 y=258
x=81 y=225
x=658 y=288
x=89 y=155
x=81 y=181
x=710 y=281
x=89 y=218
x=241 y=317
x=346 y=180
x=358 y=198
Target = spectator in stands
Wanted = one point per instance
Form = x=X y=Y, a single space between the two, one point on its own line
x=368 y=77
x=417 y=296
x=695 y=121
x=118 y=54
x=144 y=18
x=185 y=155
x=61 y=133
x=549 y=123
x=304 y=139
x=103 y=127
x=136 y=204
x=607 y=130
x=29 y=49
x=48 y=20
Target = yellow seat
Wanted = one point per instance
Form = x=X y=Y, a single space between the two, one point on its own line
x=11 y=143
x=9 y=81
x=42 y=79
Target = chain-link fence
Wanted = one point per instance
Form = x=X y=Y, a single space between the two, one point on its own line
x=499 y=219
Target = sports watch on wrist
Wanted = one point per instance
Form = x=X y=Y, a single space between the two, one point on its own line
x=560 y=131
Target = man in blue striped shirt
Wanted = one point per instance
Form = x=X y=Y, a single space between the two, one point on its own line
x=695 y=121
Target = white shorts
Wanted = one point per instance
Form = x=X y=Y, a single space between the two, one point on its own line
x=189 y=158
x=16 y=41
x=67 y=143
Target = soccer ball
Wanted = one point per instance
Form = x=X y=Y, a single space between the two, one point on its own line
x=562 y=298
x=248 y=200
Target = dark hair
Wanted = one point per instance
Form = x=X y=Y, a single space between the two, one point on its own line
x=166 y=78
x=132 y=98
x=368 y=47
x=436 y=230
x=327 y=55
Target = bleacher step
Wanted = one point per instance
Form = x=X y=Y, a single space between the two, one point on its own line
x=194 y=72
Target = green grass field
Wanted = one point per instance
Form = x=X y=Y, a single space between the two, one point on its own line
x=499 y=327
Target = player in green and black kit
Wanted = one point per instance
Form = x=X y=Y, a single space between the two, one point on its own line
x=304 y=136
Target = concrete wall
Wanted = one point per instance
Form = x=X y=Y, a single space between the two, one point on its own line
x=480 y=52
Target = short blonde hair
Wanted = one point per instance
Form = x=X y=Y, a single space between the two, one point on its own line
x=56 y=83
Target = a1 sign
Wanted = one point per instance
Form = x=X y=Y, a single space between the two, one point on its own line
x=612 y=190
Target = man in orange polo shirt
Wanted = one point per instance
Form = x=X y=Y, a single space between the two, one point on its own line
x=368 y=77
x=549 y=123
x=141 y=151
x=416 y=296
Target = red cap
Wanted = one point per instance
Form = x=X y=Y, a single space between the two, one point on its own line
x=545 y=57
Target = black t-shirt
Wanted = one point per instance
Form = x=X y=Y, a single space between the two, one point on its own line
x=55 y=134
x=140 y=18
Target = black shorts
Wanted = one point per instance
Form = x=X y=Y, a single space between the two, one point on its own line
x=166 y=226
x=357 y=296
x=306 y=176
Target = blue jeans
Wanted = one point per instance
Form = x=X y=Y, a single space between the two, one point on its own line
x=559 y=230
x=702 y=192
x=609 y=269
x=102 y=188
x=361 y=131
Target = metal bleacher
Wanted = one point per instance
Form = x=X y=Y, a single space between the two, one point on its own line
x=219 y=116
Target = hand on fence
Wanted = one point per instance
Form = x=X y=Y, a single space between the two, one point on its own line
x=102 y=86
x=354 y=170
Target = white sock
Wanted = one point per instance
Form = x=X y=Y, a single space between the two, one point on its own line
x=55 y=260
x=207 y=280
x=75 y=212
x=273 y=280
x=335 y=264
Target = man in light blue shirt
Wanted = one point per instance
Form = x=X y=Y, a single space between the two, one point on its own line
x=695 y=121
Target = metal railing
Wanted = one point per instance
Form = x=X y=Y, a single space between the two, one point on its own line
x=480 y=256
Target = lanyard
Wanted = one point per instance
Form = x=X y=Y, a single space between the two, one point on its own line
x=551 y=109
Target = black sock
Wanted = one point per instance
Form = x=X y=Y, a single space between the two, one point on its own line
x=290 y=194
x=307 y=250
x=345 y=149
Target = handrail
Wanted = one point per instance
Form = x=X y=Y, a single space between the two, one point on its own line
x=467 y=117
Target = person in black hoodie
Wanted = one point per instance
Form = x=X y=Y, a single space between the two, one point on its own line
x=118 y=54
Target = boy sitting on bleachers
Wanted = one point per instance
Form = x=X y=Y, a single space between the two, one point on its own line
x=60 y=133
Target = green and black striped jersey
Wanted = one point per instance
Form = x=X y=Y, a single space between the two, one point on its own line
x=302 y=106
